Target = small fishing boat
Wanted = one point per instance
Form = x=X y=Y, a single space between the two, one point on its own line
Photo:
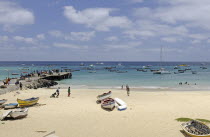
x=118 y=71
x=10 y=105
x=15 y=74
x=161 y=71
x=19 y=113
x=108 y=103
x=92 y=72
x=104 y=96
x=3 y=101
x=196 y=129
x=121 y=105
x=27 y=102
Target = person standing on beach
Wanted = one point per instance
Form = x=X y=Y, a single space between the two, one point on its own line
x=69 y=92
x=122 y=87
x=21 y=86
x=128 y=90
x=58 y=92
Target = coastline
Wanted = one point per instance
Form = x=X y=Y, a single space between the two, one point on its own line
x=148 y=113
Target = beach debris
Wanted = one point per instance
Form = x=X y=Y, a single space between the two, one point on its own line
x=51 y=134
x=41 y=131
x=3 y=86
x=196 y=129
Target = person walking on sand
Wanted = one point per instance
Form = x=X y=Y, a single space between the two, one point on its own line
x=21 y=86
x=69 y=92
x=128 y=90
x=58 y=92
x=122 y=87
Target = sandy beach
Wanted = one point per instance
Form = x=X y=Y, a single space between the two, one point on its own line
x=148 y=114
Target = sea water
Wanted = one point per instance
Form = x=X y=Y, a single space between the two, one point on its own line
x=99 y=77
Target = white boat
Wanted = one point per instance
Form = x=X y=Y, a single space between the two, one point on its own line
x=3 y=101
x=162 y=71
x=19 y=113
x=82 y=64
x=108 y=103
x=10 y=105
x=104 y=96
x=5 y=114
x=121 y=105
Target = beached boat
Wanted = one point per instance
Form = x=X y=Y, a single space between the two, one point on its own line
x=27 y=102
x=121 y=105
x=108 y=103
x=19 y=113
x=104 y=95
x=3 y=101
x=10 y=105
x=196 y=129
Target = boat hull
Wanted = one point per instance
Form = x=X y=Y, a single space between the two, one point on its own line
x=10 y=106
x=20 y=113
x=3 y=101
x=186 y=127
x=121 y=105
x=27 y=102
x=104 y=96
x=108 y=103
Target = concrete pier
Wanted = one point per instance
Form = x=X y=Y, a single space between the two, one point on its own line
x=58 y=76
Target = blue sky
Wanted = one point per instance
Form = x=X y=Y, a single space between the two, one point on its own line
x=104 y=30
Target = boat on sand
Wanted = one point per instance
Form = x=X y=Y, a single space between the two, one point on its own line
x=104 y=96
x=28 y=102
x=19 y=113
x=10 y=105
x=108 y=103
x=121 y=105
x=196 y=129
x=3 y=101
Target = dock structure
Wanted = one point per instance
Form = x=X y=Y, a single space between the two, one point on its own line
x=58 y=76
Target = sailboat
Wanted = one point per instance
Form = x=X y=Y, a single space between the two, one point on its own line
x=162 y=70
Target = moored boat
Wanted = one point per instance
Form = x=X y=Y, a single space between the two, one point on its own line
x=10 y=105
x=3 y=101
x=108 y=103
x=104 y=96
x=194 y=72
x=19 y=113
x=27 y=102
x=195 y=128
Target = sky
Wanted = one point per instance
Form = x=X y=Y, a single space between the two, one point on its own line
x=104 y=30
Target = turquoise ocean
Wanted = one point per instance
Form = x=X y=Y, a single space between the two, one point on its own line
x=97 y=74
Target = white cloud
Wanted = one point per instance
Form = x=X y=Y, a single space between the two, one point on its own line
x=56 y=33
x=123 y=46
x=112 y=38
x=24 y=39
x=97 y=18
x=81 y=36
x=12 y=14
x=170 y=39
x=137 y=1
x=40 y=36
x=68 y=45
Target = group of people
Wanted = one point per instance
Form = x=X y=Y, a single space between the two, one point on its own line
x=6 y=81
x=186 y=83
x=57 y=93
x=127 y=89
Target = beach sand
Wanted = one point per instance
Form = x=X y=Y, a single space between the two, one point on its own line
x=149 y=114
